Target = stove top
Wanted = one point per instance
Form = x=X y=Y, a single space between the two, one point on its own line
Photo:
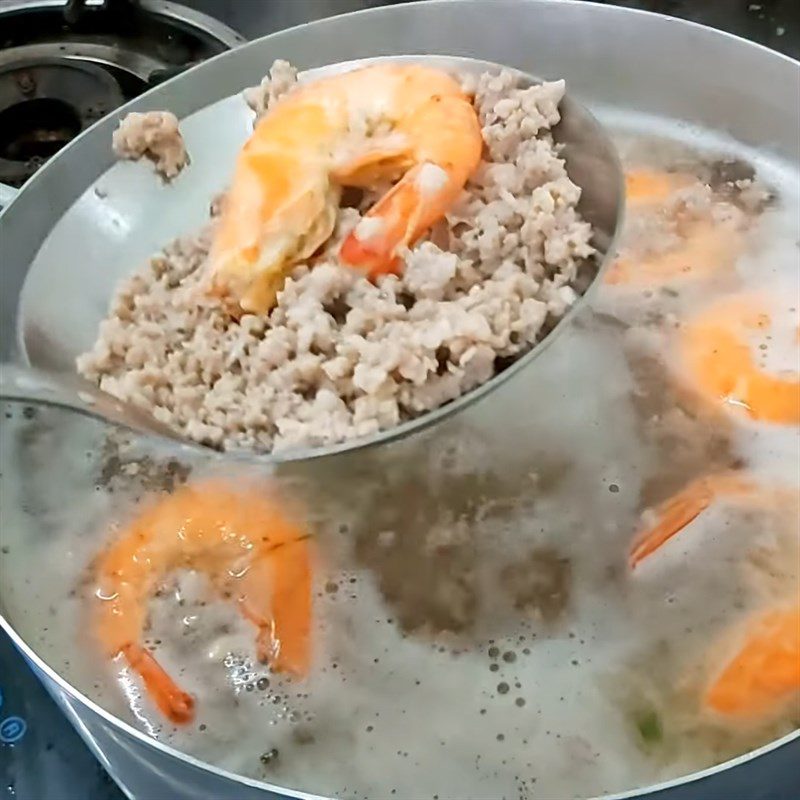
x=41 y=756
x=63 y=66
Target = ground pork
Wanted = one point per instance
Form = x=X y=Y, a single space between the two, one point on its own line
x=281 y=78
x=339 y=356
x=153 y=135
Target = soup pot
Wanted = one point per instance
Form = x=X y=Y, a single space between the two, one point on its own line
x=634 y=70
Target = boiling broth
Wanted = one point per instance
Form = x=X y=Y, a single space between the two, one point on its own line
x=477 y=629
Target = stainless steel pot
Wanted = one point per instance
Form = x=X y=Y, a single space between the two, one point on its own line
x=632 y=69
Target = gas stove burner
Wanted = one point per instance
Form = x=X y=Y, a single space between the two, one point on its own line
x=45 y=104
x=64 y=65
x=139 y=41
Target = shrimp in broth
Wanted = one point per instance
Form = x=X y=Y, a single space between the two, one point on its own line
x=252 y=554
x=704 y=247
x=755 y=667
x=717 y=354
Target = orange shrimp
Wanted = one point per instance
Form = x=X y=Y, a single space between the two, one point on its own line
x=715 y=351
x=361 y=128
x=674 y=514
x=705 y=247
x=249 y=549
x=763 y=670
x=651 y=187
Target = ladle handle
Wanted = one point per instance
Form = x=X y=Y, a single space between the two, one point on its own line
x=28 y=385
x=7 y=194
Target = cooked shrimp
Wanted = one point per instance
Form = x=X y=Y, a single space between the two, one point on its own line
x=249 y=549
x=648 y=186
x=718 y=357
x=705 y=248
x=673 y=515
x=763 y=672
x=362 y=128
x=761 y=666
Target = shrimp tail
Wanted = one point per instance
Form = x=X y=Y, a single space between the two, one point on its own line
x=176 y=704
x=277 y=599
x=391 y=225
x=291 y=601
x=448 y=150
x=674 y=514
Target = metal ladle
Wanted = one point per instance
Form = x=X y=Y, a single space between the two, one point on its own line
x=592 y=164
